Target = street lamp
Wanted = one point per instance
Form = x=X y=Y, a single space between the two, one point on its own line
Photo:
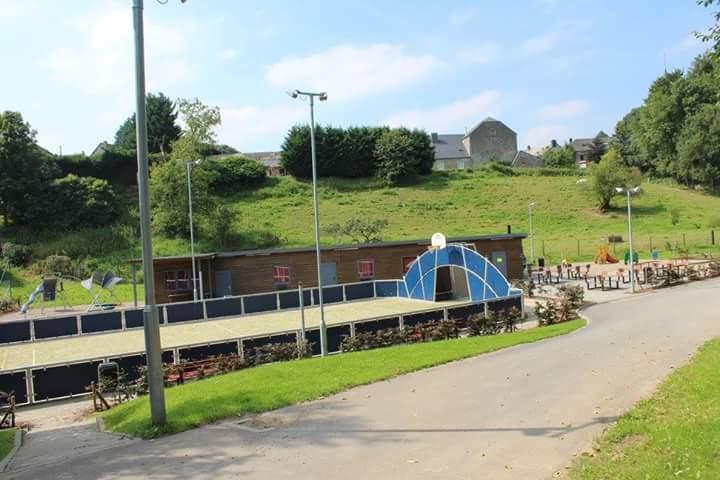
x=189 y=164
x=532 y=238
x=322 y=96
x=153 y=347
x=629 y=192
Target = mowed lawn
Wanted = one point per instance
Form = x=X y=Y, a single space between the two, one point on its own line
x=7 y=442
x=673 y=435
x=278 y=385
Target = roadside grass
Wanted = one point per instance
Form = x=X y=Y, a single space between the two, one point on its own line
x=7 y=441
x=674 y=434
x=277 y=385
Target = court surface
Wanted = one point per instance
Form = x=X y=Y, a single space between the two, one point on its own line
x=121 y=343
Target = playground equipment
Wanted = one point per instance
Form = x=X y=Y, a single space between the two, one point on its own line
x=106 y=282
x=48 y=290
x=604 y=256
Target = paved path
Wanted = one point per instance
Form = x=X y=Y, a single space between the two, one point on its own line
x=521 y=413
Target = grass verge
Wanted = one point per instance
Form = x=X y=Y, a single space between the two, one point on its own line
x=278 y=385
x=7 y=442
x=674 y=434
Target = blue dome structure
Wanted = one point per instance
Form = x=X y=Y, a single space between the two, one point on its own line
x=455 y=272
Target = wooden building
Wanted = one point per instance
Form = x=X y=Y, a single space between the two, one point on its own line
x=256 y=271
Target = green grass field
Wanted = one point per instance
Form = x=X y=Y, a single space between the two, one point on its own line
x=674 y=434
x=566 y=222
x=277 y=385
x=7 y=442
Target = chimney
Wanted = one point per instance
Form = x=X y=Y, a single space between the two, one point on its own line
x=509 y=228
x=434 y=137
x=528 y=149
x=553 y=143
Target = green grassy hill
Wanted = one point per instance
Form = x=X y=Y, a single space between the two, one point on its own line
x=567 y=223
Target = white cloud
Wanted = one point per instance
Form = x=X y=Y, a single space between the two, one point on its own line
x=567 y=109
x=227 y=54
x=99 y=61
x=479 y=55
x=350 y=72
x=539 y=137
x=248 y=127
x=539 y=44
x=454 y=117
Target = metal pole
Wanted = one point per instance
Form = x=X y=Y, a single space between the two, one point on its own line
x=630 y=244
x=532 y=237
x=192 y=233
x=323 y=328
x=153 y=348
x=302 y=311
x=134 y=282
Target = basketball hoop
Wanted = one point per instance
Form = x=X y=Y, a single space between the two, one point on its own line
x=438 y=241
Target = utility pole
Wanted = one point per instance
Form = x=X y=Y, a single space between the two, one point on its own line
x=153 y=348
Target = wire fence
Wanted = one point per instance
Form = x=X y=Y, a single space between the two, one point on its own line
x=667 y=245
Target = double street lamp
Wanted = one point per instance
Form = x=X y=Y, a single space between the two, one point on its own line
x=322 y=96
x=532 y=238
x=629 y=192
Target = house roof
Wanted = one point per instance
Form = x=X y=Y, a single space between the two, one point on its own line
x=488 y=120
x=269 y=159
x=449 y=146
x=274 y=251
x=527 y=159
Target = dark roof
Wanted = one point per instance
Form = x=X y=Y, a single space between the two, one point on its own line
x=274 y=251
x=527 y=159
x=488 y=120
x=449 y=146
x=585 y=144
x=269 y=159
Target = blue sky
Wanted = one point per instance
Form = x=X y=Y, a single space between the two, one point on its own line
x=547 y=68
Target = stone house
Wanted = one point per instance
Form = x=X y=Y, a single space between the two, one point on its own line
x=489 y=140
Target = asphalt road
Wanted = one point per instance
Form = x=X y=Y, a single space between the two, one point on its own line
x=521 y=413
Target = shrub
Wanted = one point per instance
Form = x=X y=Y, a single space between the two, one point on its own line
x=231 y=173
x=561 y=309
x=81 y=202
x=15 y=254
x=57 y=264
x=8 y=305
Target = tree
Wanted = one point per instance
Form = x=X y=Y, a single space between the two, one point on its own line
x=82 y=202
x=232 y=173
x=360 y=230
x=162 y=128
x=394 y=156
x=625 y=142
x=699 y=147
x=26 y=170
x=713 y=33
x=169 y=196
x=559 y=157
x=599 y=146
x=610 y=173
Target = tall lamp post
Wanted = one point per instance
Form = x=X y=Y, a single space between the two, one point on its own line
x=322 y=96
x=532 y=237
x=189 y=164
x=629 y=192
x=153 y=348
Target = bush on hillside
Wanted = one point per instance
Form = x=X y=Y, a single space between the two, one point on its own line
x=235 y=172
x=115 y=164
x=15 y=254
x=81 y=202
x=401 y=154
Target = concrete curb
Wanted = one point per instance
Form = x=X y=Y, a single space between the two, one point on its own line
x=19 y=434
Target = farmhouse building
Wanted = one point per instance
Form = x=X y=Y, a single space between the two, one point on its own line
x=489 y=140
x=255 y=271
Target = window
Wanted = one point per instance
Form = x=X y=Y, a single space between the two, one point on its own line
x=366 y=269
x=281 y=275
x=406 y=262
x=582 y=157
x=492 y=132
x=461 y=164
x=177 y=281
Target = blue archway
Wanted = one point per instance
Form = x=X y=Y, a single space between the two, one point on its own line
x=484 y=280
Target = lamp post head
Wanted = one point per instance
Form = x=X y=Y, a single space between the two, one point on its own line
x=294 y=93
x=323 y=96
x=619 y=189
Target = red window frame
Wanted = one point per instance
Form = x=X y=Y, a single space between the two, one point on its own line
x=406 y=262
x=281 y=275
x=366 y=269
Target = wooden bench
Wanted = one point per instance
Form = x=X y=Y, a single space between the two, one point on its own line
x=194 y=370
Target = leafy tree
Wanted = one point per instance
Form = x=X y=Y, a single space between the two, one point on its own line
x=162 y=128
x=713 y=33
x=559 y=157
x=200 y=121
x=599 y=146
x=169 y=196
x=82 y=202
x=360 y=230
x=699 y=147
x=626 y=142
x=394 y=155
x=26 y=170
x=357 y=151
x=235 y=172
x=610 y=173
